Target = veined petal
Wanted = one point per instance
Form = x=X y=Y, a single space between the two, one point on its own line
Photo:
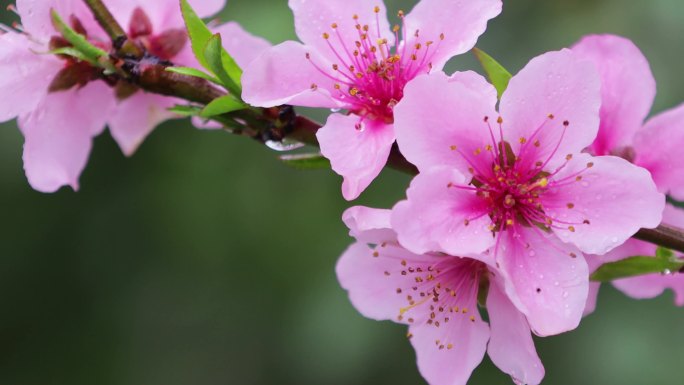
x=657 y=146
x=441 y=216
x=37 y=22
x=628 y=89
x=594 y=262
x=441 y=121
x=369 y=225
x=511 y=347
x=597 y=203
x=375 y=282
x=546 y=279
x=447 y=354
x=284 y=75
x=358 y=155
x=240 y=44
x=59 y=132
x=135 y=117
x=460 y=23
x=557 y=84
x=30 y=77
x=314 y=18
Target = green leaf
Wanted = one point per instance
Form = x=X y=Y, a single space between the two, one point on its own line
x=222 y=105
x=497 y=74
x=186 y=110
x=73 y=52
x=194 y=72
x=306 y=161
x=214 y=54
x=663 y=262
x=199 y=37
x=90 y=53
x=664 y=253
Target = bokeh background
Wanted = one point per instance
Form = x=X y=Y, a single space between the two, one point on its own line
x=203 y=260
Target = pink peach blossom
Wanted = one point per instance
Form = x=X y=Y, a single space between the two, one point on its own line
x=59 y=120
x=351 y=60
x=628 y=91
x=517 y=183
x=436 y=295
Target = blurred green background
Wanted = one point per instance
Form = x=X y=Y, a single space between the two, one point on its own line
x=202 y=260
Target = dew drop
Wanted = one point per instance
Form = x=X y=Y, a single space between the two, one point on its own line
x=284 y=145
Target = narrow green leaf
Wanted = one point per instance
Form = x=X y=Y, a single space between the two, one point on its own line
x=198 y=32
x=306 y=161
x=214 y=53
x=664 y=253
x=73 y=52
x=497 y=74
x=635 y=266
x=222 y=105
x=199 y=36
x=91 y=53
x=186 y=110
x=189 y=71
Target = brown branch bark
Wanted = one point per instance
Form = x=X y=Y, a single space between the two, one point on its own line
x=664 y=235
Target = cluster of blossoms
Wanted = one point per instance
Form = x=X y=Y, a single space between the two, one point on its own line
x=62 y=103
x=517 y=199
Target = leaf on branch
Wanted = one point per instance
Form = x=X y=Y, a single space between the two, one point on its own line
x=194 y=72
x=88 y=52
x=70 y=51
x=186 y=110
x=663 y=262
x=497 y=74
x=222 y=105
x=314 y=161
x=230 y=73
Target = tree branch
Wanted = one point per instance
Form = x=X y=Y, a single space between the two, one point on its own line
x=271 y=123
x=106 y=20
x=664 y=235
x=113 y=29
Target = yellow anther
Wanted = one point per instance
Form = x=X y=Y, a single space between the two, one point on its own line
x=572 y=229
x=354 y=91
x=543 y=182
x=326 y=35
x=376 y=9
